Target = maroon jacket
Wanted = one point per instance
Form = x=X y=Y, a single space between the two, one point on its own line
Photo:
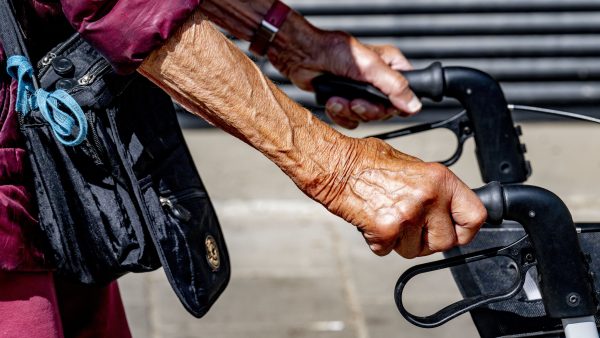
x=125 y=32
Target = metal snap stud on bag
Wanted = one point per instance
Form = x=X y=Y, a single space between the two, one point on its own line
x=212 y=253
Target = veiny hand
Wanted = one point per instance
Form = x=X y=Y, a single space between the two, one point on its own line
x=341 y=54
x=399 y=202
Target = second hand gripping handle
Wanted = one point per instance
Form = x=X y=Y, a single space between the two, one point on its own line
x=427 y=82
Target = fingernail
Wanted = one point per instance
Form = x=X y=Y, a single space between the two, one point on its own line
x=336 y=108
x=414 y=105
x=359 y=109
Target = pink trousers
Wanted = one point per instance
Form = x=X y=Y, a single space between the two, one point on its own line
x=41 y=305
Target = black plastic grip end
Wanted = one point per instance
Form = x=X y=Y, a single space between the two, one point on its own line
x=491 y=195
x=427 y=82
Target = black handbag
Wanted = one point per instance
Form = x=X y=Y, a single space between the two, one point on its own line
x=127 y=198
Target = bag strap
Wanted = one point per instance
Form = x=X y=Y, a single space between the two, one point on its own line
x=13 y=38
x=58 y=108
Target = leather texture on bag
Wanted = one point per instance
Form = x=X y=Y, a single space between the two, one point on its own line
x=129 y=198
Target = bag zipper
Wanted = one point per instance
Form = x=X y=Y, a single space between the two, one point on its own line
x=47 y=59
x=95 y=145
x=173 y=206
x=98 y=69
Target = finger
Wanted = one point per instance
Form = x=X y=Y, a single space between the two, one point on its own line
x=440 y=234
x=368 y=111
x=393 y=111
x=343 y=122
x=468 y=213
x=378 y=248
x=382 y=241
x=388 y=228
x=410 y=243
x=337 y=109
x=393 y=57
x=395 y=86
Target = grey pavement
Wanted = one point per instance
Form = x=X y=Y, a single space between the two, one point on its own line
x=298 y=271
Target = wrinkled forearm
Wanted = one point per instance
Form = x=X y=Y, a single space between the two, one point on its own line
x=210 y=77
x=396 y=201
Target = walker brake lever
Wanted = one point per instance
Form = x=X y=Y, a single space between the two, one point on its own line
x=520 y=252
x=427 y=82
x=459 y=125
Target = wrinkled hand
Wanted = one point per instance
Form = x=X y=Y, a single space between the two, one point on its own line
x=401 y=203
x=343 y=55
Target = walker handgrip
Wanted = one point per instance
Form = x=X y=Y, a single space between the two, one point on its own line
x=565 y=283
x=327 y=86
x=493 y=201
x=499 y=151
x=427 y=82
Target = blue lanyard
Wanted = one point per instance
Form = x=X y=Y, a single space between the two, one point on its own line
x=50 y=104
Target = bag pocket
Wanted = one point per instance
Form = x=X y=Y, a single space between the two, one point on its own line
x=182 y=221
x=191 y=246
x=93 y=228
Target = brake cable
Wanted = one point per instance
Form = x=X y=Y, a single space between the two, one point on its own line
x=554 y=112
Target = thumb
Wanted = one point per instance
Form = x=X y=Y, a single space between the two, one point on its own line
x=394 y=85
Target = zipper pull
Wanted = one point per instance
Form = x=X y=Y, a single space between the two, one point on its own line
x=85 y=80
x=176 y=210
x=47 y=60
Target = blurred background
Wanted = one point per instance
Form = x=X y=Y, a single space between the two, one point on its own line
x=298 y=271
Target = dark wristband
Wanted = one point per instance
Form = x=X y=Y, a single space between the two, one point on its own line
x=269 y=27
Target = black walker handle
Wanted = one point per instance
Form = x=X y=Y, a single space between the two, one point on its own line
x=565 y=282
x=427 y=82
x=498 y=149
x=552 y=242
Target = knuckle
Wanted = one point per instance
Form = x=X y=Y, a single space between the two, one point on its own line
x=410 y=213
x=438 y=172
x=426 y=194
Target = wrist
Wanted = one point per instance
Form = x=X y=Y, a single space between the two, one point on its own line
x=324 y=165
x=297 y=39
x=268 y=27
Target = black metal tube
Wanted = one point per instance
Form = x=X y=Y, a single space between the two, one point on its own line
x=498 y=148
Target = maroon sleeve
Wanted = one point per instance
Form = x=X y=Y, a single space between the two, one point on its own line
x=126 y=31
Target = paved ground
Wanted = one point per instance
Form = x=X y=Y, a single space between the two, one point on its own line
x=300 y=272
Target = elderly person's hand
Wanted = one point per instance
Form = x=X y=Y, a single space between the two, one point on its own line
x=301 y=51
x=397 y=201
x=343 y=55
